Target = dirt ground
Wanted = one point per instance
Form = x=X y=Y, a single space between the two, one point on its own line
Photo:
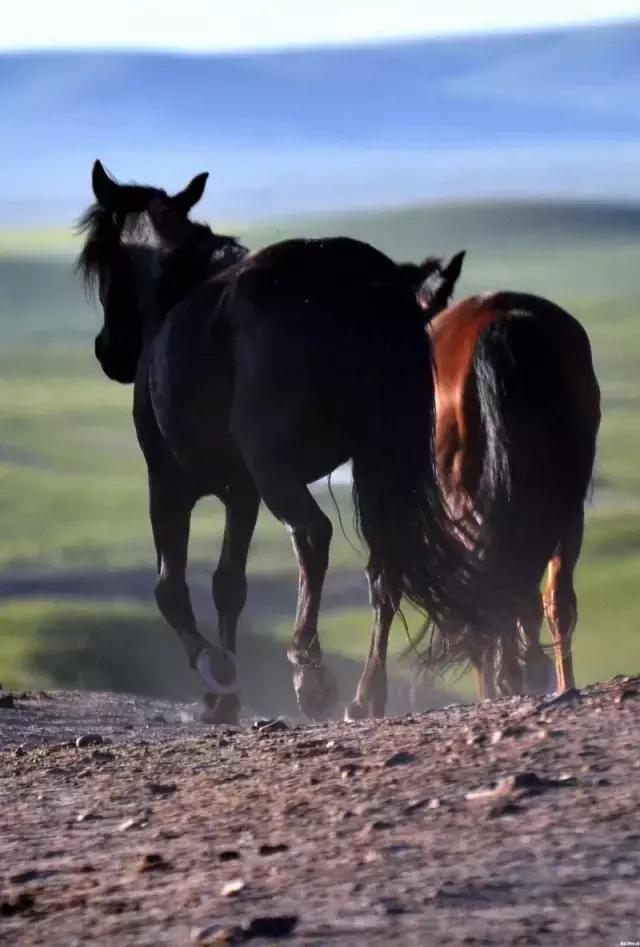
x=512 y=822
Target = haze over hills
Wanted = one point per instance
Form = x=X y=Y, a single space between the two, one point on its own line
x=553 y=113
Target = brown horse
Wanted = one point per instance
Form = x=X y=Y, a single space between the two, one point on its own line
x=517 y=416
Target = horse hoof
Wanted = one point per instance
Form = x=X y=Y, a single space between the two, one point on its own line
x=221 y=708
x=355 y=711
x=316 y=690
x=217 y=668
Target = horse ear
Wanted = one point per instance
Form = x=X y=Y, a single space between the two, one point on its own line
x=436 y=291
x=185 y=200
x=106 y=190
x=453 y=269
x=430 y=267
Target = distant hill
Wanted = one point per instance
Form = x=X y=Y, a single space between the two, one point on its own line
x=570 y=251
x=539 y=114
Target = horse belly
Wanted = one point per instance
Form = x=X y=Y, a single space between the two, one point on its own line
x=291 y=406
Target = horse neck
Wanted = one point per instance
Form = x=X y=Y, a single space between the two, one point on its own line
x=146 y=266
x=190 y=265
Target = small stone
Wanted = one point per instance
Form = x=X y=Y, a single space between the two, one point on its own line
x=378 y=825
x=17 y=904
x=627 y=693
x=162 y=789
x=228 y=855
x=23 y=877
x=217 y=935
x=270 y=725
x=389 y=906
x=401 y=758
x=132 y=823
x=502 y=788
x=526 y=780
x=89 y=739
x=525 y=783
x=348 y=771
x=152 y=861
x=86 y=816
x=509 y=731
x=476 y=739
x=231 y=888
x=281 y=925
x=416 y=804
x=19 y=751
x=560 y=699
x=273 y=849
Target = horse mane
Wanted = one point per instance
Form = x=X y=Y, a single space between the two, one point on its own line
x=201 y=253
x=101 y=230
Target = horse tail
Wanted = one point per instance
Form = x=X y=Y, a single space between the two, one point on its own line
x=399 y=509
x=540 y=438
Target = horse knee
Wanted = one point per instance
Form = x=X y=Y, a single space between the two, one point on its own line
x=312 y=543
x=319 y=534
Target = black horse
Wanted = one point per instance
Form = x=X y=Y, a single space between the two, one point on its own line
x=254 y=375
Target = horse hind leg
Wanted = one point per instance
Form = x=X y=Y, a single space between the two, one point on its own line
x=229 y=583
x=371 y=693
x=496 y=665
x=560 y=602
x=311 y=531
x=539 y=671
x=170 y=512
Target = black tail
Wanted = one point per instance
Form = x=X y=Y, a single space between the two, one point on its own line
x=540 y=443
x=400 y=511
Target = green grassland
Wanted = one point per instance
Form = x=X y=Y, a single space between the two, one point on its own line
x=72 y=483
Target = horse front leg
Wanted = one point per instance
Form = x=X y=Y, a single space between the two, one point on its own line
x=170 y=508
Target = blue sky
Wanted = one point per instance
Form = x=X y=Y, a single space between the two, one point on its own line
x=214 y=25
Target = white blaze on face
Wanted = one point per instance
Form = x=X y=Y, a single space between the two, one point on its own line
x=145 y=249
x=140 y=231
